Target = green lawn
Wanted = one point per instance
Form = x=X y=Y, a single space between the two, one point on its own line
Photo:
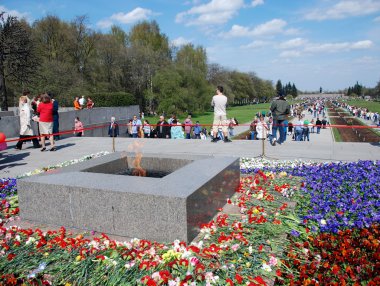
x=243 y=114
x=371 y=105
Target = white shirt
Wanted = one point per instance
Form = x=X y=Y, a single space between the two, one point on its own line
x=219 y=102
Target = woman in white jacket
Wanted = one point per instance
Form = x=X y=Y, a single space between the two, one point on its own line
x=26 y=130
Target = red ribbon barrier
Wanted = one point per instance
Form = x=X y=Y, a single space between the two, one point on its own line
x=192 y=125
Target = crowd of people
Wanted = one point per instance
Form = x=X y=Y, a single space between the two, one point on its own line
x=265 y=125
x=171 y=128
x=43 y=110
x=39 y=120
x=360 y=112
x=82 y=103
x=282 y=118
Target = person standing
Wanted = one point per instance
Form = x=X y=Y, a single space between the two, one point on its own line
x=147 y=129
x=82 y=102
x=78 y=127
x=136 y=127
x=45 y=109
x=197 y=130
x=318 y=123
x=113 y=129
x=162 y=128
x=76 y=103
x=55 y=117
x=219 y=102
x=188 y=126
x=90 y=103
x=280 y=109
x=26 y=130
x=298 y=129
x=262 y=129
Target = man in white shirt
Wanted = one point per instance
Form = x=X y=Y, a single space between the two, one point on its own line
x=219 y=102
x=82 y=102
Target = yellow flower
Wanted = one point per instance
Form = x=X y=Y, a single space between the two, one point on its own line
x=78 y=258
x=67 y=284
x=248 y=264
x=46 y=254
x=283 y=174
x=171 y=255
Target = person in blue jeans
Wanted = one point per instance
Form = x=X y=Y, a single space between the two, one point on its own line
x=285 y=131
x=298 y=129
x=280 y=109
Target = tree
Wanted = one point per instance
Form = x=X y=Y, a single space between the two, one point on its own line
x=82 y=43
x=149 y=51
x=279 y=88
x=17 y=60
x=294 y=91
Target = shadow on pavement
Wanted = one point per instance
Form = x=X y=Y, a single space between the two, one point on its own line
x=59 y=147
x=12 y=158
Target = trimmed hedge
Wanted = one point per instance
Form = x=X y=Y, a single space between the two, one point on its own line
x=108 y=99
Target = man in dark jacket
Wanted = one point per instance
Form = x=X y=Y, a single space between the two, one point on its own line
x=55 y=117
x=318 y=123
x=162 y=128
x=113 y=128
x=280 y=109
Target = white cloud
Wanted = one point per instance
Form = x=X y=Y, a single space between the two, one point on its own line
x=298 y=46
x=293 y=43
x=344 y=9
x=256 y=45
x=137 y=14
x=290 y=54
x=377 y=19
x=275 y=26
x=292 y=32
x=104 y=24
x=213 y=13
x=14 y=13
x=257 y=3
x=180 y=41
x=336 y=47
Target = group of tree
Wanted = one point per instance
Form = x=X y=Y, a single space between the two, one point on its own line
x=360 y=90
x=70 y=59
x=356 y=90
x=286 y=90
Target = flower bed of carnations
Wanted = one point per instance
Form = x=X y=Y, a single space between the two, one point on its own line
x=327 y=239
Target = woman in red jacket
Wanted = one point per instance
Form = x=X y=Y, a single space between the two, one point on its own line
x=45 y=109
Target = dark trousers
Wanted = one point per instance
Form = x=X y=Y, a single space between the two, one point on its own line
x=36 y=144
x=56 y=129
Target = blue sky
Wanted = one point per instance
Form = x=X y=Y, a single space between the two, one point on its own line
x=328 y=43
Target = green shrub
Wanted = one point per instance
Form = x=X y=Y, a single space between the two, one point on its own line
x=106 y=99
